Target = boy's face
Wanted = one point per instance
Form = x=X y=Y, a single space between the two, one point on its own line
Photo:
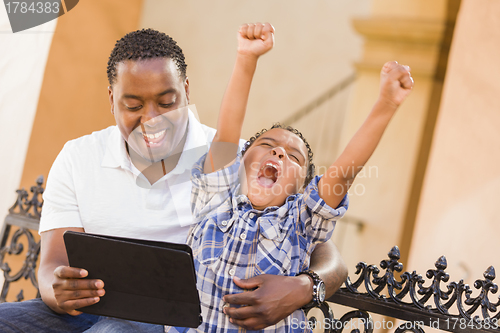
x=275 y=167
x=149 y=101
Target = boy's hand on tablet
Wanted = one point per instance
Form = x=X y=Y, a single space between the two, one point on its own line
x=255 y=39
x=395 y=83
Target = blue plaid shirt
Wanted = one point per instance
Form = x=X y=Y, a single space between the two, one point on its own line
x=231 y=238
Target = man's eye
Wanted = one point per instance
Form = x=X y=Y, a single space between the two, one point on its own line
x=167 y=105
x=134 y=108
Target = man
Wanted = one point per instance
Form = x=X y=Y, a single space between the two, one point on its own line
x=121 y=180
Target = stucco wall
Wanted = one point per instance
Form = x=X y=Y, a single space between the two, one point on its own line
x=315 y=48
x=459 y=212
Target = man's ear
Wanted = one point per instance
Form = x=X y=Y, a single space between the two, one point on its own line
x=110 y=95
x=186 y=87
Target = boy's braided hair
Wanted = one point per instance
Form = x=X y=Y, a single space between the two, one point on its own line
x=145 y=44
x=311 y=169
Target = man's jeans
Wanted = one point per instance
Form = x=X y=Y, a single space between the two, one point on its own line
x=34 y=316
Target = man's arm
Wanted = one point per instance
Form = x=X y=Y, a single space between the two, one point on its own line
x=275 y=297
x=253 y=41
x=327 y=262
x=61 y=286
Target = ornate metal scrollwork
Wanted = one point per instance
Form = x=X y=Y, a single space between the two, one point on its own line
x=363 y=317
x=25 y=214
x=412 y=294
x=328 y=318
x=24 y=204
x=347 y=321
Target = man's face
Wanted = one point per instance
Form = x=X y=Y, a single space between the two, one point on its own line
x=149 y=101
x=275 y=167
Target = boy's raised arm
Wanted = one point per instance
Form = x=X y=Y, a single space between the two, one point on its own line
x=395 y=84
x=253 y=41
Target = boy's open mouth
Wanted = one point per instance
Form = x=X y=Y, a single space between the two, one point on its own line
x=268 y=174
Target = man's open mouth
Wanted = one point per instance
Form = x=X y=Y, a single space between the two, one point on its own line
x=154 y=139
x=268 y=174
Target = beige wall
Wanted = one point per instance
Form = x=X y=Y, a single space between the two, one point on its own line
x=409 y=33
x=74 y=97
x=22 y=68
x=418 y=9
x=459 y=212
x=315 y=48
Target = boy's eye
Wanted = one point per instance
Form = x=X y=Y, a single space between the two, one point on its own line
x=265 y=144
x=295 y=158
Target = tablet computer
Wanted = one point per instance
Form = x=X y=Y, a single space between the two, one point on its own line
x=147 y=281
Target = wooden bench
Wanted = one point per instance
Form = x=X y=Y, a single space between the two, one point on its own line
x=407 y=297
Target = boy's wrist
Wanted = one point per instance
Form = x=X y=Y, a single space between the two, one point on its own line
x=246 y=63
x=386 y=105
x=247 y=57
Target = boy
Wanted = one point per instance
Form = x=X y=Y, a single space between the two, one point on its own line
x=265 y=224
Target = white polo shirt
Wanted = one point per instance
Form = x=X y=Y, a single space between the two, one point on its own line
x=94 y=185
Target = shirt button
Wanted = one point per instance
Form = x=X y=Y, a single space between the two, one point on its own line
x=232 y=271
x=243 y=236
x=251 y=215
x=224 y=223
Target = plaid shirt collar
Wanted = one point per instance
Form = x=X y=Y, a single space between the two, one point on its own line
x=266 y=219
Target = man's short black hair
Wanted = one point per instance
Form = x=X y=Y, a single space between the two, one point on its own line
x=145 y=44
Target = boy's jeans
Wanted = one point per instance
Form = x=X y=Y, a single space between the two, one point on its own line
x=34 y=316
